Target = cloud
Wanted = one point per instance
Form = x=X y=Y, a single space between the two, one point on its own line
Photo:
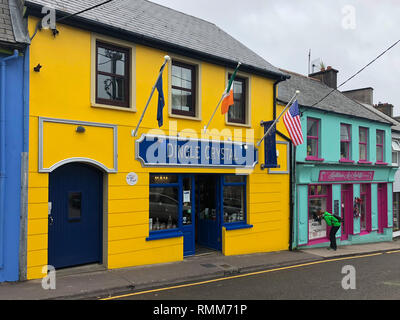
x=282 y=32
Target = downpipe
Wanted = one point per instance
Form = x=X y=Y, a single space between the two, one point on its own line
x=3 y=63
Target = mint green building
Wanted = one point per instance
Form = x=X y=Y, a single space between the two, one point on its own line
x=344 y=165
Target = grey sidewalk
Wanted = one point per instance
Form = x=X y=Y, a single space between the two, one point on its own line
x=92 y=281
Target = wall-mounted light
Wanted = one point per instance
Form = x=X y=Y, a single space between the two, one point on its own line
x=80 y=129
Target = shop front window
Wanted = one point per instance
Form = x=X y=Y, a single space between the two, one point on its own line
x=234 y=197
x=365 y=207
x=396 y=211
x=318 y=199
x=163 y=202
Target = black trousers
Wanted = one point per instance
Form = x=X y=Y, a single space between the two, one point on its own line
x=332 y=237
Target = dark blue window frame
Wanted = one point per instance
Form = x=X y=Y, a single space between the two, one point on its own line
x=177 y=232
x=169 y=233
x=236 y=224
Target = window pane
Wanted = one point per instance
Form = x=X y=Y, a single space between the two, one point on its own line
x=187 y=201
x=363 y=135
x=181 y=77
x=379 y=137
x=163 y=178
x=363 y=152
x=164 y=208
x=344 y=132
x=344 y=150
x=394 y=158
x=181 y=100
x=237 y=112
x=312 y=147
x=234 y=203
x=74 y=205
x=312 y=127
x=363 y=213
x=111 y=88
x=111 y=61
x=316 y=229
x=379 y=153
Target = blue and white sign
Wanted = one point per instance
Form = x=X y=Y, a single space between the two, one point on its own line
x=160 y=151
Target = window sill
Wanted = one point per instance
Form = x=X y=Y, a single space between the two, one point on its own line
x=312 y=158
x=181 y=116
x=364 y=162
x=346 y=161
x=159 y=235
x=237 y=226
x=106 y=106
x=381 y=163
x=237 y=124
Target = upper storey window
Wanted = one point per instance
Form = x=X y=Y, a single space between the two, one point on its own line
x=112 y=75
x=183 y=89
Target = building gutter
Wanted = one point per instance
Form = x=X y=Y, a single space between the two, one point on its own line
x=3 y=63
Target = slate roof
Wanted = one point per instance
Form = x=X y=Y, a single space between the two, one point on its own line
x=13 y=32
x=164 y=24
x=313 y=90
x=6 y=29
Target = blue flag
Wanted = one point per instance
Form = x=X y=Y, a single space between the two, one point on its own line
x=161 y=101
x=271 y=160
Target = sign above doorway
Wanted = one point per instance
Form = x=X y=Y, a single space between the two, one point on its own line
x=167 y=151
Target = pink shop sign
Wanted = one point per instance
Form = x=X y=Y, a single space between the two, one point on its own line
x=338 y=175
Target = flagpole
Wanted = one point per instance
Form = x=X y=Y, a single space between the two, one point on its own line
x=220 y=100
x=277 y=119
x=167 y=58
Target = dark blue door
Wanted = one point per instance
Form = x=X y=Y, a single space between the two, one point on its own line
x=188 y=212
x=209 y=215
x=75 y=222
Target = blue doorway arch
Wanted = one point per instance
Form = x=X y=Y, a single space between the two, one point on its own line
x=75 y=219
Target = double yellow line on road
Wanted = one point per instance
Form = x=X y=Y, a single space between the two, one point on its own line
x=246 y=275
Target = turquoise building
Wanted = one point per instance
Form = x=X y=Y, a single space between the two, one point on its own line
x=344 y=165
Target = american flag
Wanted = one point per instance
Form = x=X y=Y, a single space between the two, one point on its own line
x=291 y=119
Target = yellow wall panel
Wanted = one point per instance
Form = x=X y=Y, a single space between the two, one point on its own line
x=38 y=210
x=37 y=226
x=128 y=232
x=37 y=242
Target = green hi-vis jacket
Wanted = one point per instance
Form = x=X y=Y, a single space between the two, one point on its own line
x=331 y=220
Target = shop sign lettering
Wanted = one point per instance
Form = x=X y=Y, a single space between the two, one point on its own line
x=161 y=151
x=338 y=175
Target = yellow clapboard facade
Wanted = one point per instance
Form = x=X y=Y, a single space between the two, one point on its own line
x=61 y=98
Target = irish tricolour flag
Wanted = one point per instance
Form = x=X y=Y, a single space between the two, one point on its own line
x=227 y=97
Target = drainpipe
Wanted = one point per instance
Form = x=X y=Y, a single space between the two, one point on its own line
x=292 y=175
x=3 y=63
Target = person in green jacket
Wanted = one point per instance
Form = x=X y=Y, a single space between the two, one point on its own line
x=332 y=222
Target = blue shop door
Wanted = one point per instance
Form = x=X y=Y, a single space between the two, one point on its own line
x=75 y=220
x=209 y=232
x=188 y=208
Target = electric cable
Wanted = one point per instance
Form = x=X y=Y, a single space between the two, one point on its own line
x=358 y=72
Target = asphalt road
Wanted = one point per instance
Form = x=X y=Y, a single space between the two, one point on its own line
x=377 y=277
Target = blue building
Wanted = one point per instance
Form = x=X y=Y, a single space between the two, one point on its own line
x=14 y=86
x=344 y=165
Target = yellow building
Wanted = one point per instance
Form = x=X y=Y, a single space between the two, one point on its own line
x=99 y=194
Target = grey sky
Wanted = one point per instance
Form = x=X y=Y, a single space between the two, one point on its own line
x=282 y=32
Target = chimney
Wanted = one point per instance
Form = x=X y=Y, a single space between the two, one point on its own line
x=363 y=95
x=386 y=108
x=327 y=76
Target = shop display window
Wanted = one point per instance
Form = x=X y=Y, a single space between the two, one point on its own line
x=318 y=199
x=163 y=202
x=234 y=197
x=365 y=213
x=396 y=211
